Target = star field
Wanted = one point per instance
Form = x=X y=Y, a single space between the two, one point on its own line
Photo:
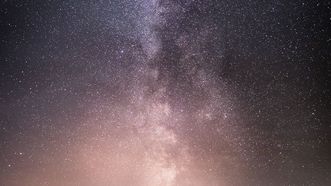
x=165 y=93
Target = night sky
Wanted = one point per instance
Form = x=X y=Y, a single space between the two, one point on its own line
x=165 y=93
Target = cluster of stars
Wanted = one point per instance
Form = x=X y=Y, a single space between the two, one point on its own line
x=164 y=93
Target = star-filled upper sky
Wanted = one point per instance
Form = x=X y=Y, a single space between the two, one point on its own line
x=165 y=93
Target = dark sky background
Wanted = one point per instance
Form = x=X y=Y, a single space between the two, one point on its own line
x=165 y=93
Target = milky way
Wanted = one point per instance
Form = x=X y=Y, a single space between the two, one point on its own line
x=164 y=93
